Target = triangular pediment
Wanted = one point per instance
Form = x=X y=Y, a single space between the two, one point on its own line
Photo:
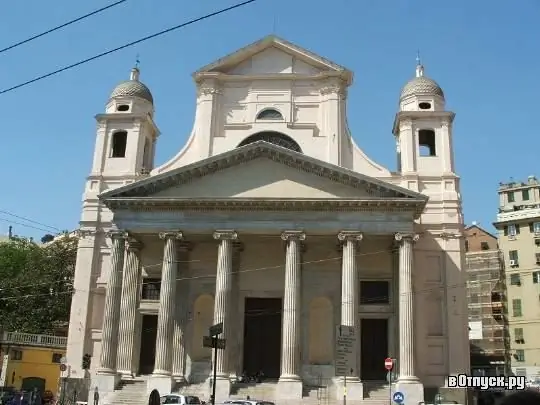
x=262 y=171
x=273 y=55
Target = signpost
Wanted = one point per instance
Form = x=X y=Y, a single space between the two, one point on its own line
x=438 y=398
x=388 y=364
x=398 y=397
x=345 y=354
x=214 y=342
x=63 y=367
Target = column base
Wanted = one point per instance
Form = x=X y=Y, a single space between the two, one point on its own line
x=161 y=382
x=126 y=375
x=412 y=389
x=289 y=387
x=105 y=381
x=353 y=390
x=223 y=388
x=179 y=379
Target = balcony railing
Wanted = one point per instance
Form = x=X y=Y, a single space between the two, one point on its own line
x=29 y=339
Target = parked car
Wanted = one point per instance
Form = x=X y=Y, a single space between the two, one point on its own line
x=178 y=399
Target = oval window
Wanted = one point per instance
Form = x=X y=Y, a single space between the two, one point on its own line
x=123 y=107
x=424 y=106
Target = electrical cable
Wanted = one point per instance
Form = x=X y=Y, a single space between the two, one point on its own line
x=28 y=220
x=119 y=48
x=9 y=221
x=58 y=27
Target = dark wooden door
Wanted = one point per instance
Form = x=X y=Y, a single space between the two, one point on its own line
x=262 y=336
x=148 y=344
x=374 y=348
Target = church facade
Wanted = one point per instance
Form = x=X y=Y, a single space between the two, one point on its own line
x=273 y=222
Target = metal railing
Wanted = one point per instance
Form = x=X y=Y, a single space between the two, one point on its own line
x=30 y=339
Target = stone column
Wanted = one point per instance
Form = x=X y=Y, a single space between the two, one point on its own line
x=350 y=286
x=163 y=364
x=406 y=308
x=128 y=309
x=109 y=334
x=290 y=381
x=179 y=345
x=222 y=308
x=235 y=354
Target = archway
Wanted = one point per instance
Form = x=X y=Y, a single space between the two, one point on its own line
x=203 y=316
x=275 y=138
x=321 y=331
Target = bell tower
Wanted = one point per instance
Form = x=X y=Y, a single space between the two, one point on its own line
x=423 y=129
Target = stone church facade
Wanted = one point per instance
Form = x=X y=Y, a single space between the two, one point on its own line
x=272 y=221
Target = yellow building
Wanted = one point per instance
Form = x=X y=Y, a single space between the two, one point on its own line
x=33 y=361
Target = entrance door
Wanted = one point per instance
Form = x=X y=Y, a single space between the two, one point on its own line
x=148 y=344
x=374 y=348
x=262 y=336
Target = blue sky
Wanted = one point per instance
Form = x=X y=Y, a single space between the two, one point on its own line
x=484 y=55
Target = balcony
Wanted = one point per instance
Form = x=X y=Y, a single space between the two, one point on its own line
x=30 y=339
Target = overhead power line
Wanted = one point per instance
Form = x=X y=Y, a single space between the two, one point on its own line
x=58 y=27
x=138 y=41
x=29 y=220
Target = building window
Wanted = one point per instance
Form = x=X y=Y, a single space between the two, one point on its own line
x=515 y=279
x=374 y=292
x=514 y=258
x=270 y=114
x=426 y=142
x=520 y=355
x=16 y=354
x=536 y=277
x=474 y=299
x=118 y=144
x=511 y=197
x=516 y=307
x=466 y=246
x=57 y=357
x=150 y=289
x=484 y=246
x=275 y=138
x=534 y=227
x=513 y=230
x=518 y=335
x=525 y=195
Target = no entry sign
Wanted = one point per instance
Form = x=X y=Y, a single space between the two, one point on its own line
x=388 y=363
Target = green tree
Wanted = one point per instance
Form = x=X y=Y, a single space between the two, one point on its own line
x=36 y=284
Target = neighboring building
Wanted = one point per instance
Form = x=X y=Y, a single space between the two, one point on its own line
x=271 y=161
x=518 y=223
x=488 y=321
x=33 y=361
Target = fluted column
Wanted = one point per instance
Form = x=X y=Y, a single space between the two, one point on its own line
x=406 y=308
x=128 y=308
x=290 y=355
x=222 y=306
x=350 y=287
x=235 y=365
x=109 y=333
x=179 y=345
x=165 y=329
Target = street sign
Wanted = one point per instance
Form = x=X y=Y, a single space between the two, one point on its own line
x=388 y=364
x=63 y=360
x=398 y=397
x=346 y=350
x=212 y=342
x=438 y=398
x=63 y=367
x=216 y=329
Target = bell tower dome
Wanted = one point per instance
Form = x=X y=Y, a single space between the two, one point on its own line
x=421 y=93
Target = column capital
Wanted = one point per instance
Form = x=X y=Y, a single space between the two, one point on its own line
x=296 y=235
x=401 y=237
x=117 y=234
x=133 y=245
x=225 y=234
x=171 y=235
x=353 y=236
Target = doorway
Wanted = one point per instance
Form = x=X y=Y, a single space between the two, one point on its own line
x=374 y=348
x=148 y=344
x=262 y=336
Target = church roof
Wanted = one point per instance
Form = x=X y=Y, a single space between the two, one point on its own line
x=235 y=58
x=421 y=86
x=380 y=193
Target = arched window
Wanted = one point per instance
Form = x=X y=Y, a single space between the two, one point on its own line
x=275 y=138
x=270 y=114
x=118 y=144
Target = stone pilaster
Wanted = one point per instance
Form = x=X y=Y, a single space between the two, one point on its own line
x=179 y=345
x=109 y=334
x=128 y=309
x=350 y=286
x=408 y=382
x=290 y=383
